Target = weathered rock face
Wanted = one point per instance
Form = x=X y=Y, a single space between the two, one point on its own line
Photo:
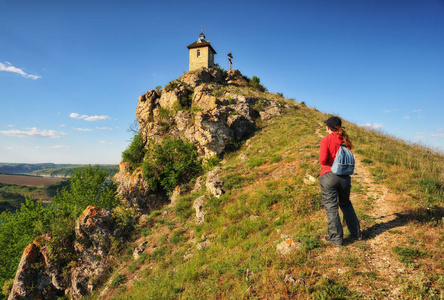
x=235 y=77
x=204 y=75
x=38 y=277
x=134 y=191
x=170 y=99
x=215 y=118
x=94 y=230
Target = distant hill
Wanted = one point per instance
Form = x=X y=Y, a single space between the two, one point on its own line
x=68 y=171
x=22 y=168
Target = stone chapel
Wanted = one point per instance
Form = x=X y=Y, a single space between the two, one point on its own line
x=201 y=53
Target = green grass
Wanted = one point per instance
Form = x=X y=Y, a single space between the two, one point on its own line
x=266 y=200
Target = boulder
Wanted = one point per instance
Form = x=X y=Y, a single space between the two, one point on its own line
x=288 y=246
x=139 y=250
x=234 y=77
x=214 y=184
x=200 y=213
x=273 y=109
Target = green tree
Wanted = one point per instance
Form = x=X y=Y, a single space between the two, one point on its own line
x=88 y=186
x=169 y=164
x=135 y=152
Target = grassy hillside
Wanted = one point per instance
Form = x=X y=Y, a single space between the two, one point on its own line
x=272 y=194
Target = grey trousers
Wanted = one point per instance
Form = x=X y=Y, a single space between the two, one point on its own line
x=335 y=191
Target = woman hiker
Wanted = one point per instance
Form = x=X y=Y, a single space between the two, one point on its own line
x=335 y=189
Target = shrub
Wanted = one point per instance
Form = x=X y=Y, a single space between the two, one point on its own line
x=255 y=83
x=171 y=86
x=135 y=152
x=169 y=164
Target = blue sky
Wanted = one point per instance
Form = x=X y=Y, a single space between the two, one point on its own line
x=71 y=71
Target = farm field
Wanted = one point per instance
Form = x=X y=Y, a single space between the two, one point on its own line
x=27 y=180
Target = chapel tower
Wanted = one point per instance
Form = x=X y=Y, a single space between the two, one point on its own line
x=201 y=53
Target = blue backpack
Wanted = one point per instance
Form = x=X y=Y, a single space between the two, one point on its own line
x=344 y=163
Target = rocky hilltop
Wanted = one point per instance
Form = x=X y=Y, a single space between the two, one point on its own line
x=211 y=108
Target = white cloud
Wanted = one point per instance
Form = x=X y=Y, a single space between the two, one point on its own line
x=386 y=111
x=10 y=68
x=59 y=147
x=438 y=135
x=406 y=117
x=10 y=125
x=89 y=118
x=33 y=132
x=82 y=129
x=105 y=142
x=104 y=128
x=371 y=126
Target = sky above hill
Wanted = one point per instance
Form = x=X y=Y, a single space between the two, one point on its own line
x=71 y=71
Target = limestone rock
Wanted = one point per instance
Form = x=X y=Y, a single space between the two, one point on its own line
x=179 y=95
x=197 y=185
x=200 y=213
x=93 y=229
x=203 y=245
x=210 y=132
x=204 y=98
x=235 y=77
x=240 y=126
x=214 y=184
x=36 y=276
x=134 y=190
x=139 y=250
x=201 y=76
x=273 y=109
x=288 y=246
x=145 y=107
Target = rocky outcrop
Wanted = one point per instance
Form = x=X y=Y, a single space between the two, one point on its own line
x=209 y=115
x=94 y=231
x=37 y=277
x=235 y=77
x=201 y=76
x=40 y=277
x=214 y=184
x=198 y=207
x=134 y=190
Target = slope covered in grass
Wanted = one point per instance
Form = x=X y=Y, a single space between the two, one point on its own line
x=272 y=194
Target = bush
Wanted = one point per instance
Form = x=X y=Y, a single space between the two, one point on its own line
x=255 y=83
x=171 y=86
x=169 y=164
x=135 y=152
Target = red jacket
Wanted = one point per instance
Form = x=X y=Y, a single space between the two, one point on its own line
x=329 y=147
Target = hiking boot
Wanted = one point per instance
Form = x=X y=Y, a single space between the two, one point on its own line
x=327 y=238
